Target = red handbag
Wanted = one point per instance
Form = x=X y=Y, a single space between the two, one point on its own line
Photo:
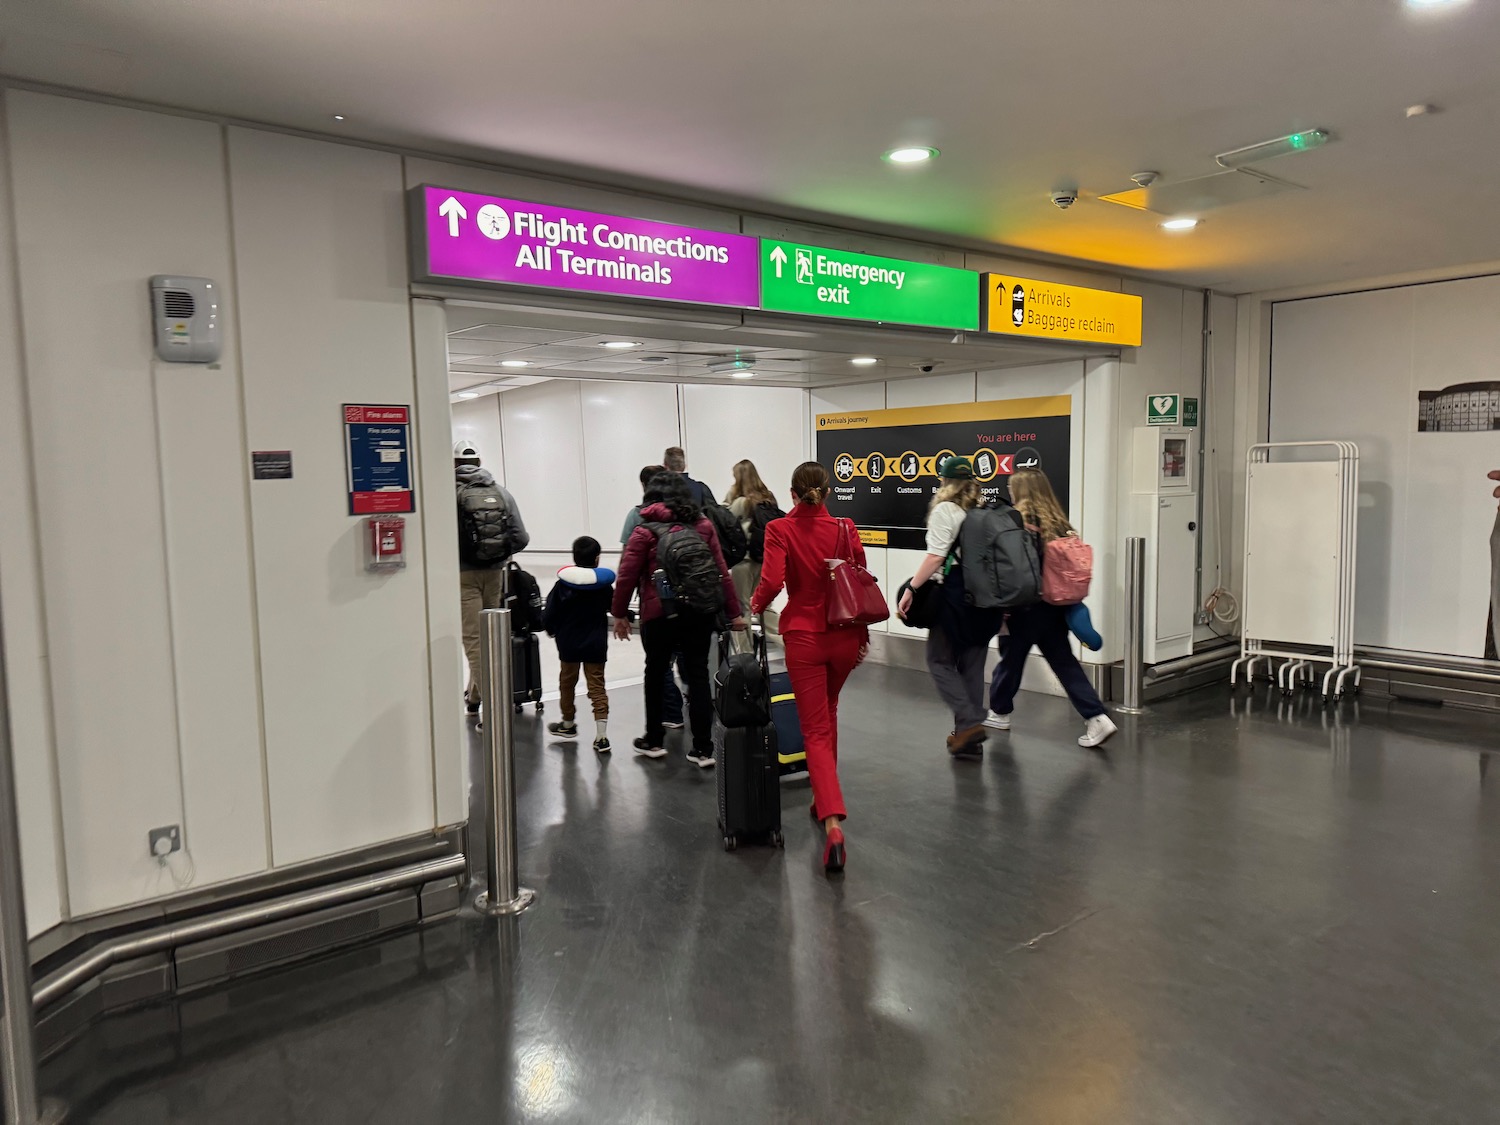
x=854 y=596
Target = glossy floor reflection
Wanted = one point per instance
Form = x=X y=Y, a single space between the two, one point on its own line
x=1247 y=912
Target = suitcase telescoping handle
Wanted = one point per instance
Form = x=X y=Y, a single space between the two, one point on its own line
x=757 y=641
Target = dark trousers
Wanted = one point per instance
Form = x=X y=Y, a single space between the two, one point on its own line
x=688 y=636
x=1044 y=627
x=671 y=696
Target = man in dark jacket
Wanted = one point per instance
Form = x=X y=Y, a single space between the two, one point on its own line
x=490 y=531
x=577 y=615
x=676 y=462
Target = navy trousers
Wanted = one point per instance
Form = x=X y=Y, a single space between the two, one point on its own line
x=1045 y=627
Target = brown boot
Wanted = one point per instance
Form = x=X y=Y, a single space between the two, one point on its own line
x=968 y=743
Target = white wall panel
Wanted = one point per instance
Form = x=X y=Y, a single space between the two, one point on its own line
x=105 y=197
x=543 y=426
x=21 y=596
x=1350 y=367
x=319 y=235
x=206 y=508
x=725 y=424
x=439 y=546
x=860 y=396
x=478 y=421
x=1341 y=369
x=626 y=426
x=930 y=390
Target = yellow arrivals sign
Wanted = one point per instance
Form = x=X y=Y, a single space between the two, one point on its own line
x=1018 y=306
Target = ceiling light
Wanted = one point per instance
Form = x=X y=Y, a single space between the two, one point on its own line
x=914 y=154
x=515 y=363
x=468 y=394
x=1179 y=224
x=864 y=361
x=656 y=359
x=338 y=116
x=742 y=374
x=1434 y=3
x=1281 y=146
x=617 y=344
x=1424 y=109
x=732 y=364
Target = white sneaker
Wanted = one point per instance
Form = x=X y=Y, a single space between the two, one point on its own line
x=999 y=722
x=672 y=726
x=1099 y=728
x=702 y=761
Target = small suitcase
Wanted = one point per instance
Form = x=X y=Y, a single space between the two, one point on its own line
x=526 y=670
x=749 y=785
x=791 y=754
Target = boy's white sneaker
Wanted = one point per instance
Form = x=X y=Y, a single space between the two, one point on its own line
x=999 y=722
x=1097 y=729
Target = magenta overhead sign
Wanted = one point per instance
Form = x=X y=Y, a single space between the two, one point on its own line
x=463 y=236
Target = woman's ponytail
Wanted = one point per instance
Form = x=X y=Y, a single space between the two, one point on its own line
x=810 y=483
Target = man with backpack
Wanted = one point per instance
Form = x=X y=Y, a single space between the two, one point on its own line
x=490 y=532
x=674 y=560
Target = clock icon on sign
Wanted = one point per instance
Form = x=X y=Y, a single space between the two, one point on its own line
x=493 y=222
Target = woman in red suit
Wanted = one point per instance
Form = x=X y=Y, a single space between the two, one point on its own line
x=799 y=548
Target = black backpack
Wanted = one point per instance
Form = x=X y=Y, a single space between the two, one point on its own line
x=732 y=541
x=687 y=572
x=743 y=687
x=523 y=597
x=1002 y=560
x=487 y=523
x=762 y=514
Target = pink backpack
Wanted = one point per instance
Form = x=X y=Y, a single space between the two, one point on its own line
x=1067 y=571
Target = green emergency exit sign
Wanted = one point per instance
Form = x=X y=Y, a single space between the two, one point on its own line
x=817 y=281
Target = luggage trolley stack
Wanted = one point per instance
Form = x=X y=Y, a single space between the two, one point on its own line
x=1301 y=522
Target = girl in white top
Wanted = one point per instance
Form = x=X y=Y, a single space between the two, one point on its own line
x=959 y=639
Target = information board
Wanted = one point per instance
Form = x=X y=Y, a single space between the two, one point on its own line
x=884 y=462
x=377 y=452
x=1045 y=310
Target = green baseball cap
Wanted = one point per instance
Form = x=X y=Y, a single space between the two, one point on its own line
x=956 y=468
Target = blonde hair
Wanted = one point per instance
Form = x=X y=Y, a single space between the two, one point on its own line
x=747 y=483
x=1031 y=493
x=965 y=493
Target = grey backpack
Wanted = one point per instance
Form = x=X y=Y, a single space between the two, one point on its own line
x=1002 y=561
x=488 y=524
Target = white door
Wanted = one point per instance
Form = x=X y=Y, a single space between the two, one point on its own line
x=1176 y=566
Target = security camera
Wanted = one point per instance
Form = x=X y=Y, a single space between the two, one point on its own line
x=1064 y=199
x=927 y=367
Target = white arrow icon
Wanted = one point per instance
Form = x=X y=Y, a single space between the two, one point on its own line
x=778 y=255
x=452 y=210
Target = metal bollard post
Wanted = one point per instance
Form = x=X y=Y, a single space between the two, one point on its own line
x=18 y=1079
x=1135 y=623
x=504 y=894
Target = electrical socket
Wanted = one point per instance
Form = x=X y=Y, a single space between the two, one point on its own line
x=1204 y=617
x=170 y=835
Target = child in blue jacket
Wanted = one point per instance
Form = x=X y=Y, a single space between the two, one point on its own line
x=577 y=615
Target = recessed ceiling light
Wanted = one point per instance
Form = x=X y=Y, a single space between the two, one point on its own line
x=914 y=154
x=468 y=394
x=620 y=344
x=515 y=363
x=742 y=374
x=1179 y=224
x=864 y=361
x=338 y=116
x=1435 y=3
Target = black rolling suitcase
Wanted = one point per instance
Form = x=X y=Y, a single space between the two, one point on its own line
x=749 y=775
x=524 y=600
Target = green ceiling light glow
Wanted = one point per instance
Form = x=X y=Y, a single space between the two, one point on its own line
x=1281 y=146
x=911 y=154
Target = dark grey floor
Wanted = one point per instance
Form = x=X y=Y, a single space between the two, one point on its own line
x=1245 y=913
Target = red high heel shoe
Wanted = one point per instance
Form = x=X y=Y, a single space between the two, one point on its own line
x=833 y=850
